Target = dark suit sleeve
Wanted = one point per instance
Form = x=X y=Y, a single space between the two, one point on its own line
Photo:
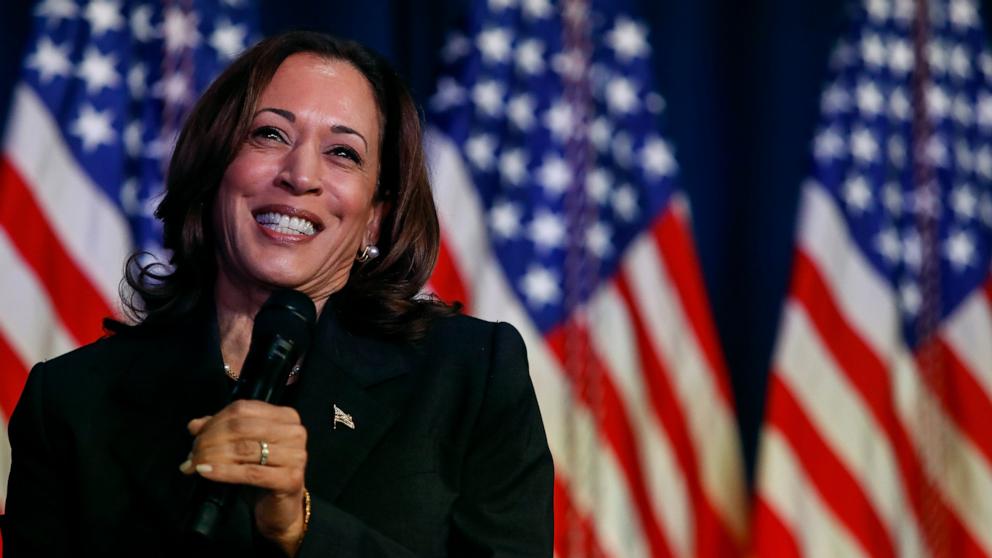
x=505 y=504
x=35 y=523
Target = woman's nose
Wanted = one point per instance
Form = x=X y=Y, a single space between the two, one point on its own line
x=301 y=170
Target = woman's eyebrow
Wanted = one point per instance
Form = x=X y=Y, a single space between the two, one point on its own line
x=281 y=112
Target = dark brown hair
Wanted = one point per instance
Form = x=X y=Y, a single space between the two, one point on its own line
x=380 y=297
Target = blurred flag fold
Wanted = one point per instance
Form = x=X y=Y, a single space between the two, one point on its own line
x=560 y=213
x=103 y=90
x=878 y=428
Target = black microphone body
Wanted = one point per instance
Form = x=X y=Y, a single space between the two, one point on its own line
x=282 y=332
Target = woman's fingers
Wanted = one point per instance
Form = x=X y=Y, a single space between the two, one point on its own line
x=277 y=479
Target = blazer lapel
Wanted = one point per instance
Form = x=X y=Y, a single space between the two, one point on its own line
x=341 y=371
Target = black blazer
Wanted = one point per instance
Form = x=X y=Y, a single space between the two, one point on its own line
x=448 y=456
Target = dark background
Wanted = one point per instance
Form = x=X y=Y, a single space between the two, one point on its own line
x=741 y=80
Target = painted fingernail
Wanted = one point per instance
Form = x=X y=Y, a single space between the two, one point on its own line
x=186 y=466
x=204 y=468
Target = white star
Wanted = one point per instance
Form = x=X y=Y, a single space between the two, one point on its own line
x=864 y=147
x=93 y=128
x=964 y=202
x=598 y=239
x=133 y=141
x=55 y=10
x=857 y=194
x=560 y=120
x=480 y=148
x=50 y=60
x=103 y=15
x=598 y=184
x=925 y=202
x=983 y=162
x=504 y=219
x=656 y=158
x=449 y=93
x=174 y=88
x=899 y=105
x=904 y=11
x=963 y=112
x=938 y=103
x=960 y=62
x=500 y=5
x=600 y=133
x=228 y=39
x=455 y=47
x=936 y=151
x=842 y=55
x=985 y=111
x=547 y=231
x=870 y=100
x=494 y=44
x=937 y=56
x=878 y=10
x=897 y=151
x=901 y=56
x=985 y=209
x=912 y=250
x=892 y=198
x=909 y=298
x=628 y=39
x=965 y=158
x=959 y=249
x=963 y=13
x=137 y=78
x=488 y=97
x=520 y=109
x=873 y=50
x=625 y=202
x=98 y=70
x=141 y=23
x=554 y=175
x=536 y=9
x=180 y=29
x=540 y=286
x=129 y=197
x=621 y=95
x=568 y=64
x=828 y=145
x=835 y=99
x=623 y=149
x=655 y=103
x=985 y=63
x=888 y=245
x=529 y=57
x=513 y=166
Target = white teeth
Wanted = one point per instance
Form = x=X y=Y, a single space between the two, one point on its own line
x=285 y=224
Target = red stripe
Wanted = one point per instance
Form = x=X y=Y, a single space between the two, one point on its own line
x=575 y=535
x=942 y=529
x=836 y=485
x=446 y=280
x=13 y=374
x=671 y=234
x=78 y=304
x=962 y=397
x=772 y=538
x=712 y=537
x=593 y=386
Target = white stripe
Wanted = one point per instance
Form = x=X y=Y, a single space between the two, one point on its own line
x=595 y=477
x=957 y=467
x=789 y=494
x=968 y=331
x=27 y=320
x=808 y=370
x=615 y=342
x=4 y=463
x=711 y=423
x=90 y=227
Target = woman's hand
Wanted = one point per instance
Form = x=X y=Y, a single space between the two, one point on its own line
x=228 y=448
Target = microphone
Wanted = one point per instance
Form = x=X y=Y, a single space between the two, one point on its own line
x=282 y=332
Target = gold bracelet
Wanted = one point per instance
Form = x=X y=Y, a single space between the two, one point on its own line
x=306 y=515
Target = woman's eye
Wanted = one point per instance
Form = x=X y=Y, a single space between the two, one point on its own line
x=268 y=132
x=346 y=152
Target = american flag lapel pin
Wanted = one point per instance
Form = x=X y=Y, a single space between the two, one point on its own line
x=343 y=418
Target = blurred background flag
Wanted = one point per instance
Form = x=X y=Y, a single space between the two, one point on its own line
x=878 y=429
x=103 y=89
x=560 y=213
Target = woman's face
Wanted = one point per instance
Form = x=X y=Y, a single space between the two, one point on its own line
x=296 y=203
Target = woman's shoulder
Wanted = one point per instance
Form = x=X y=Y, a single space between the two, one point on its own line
x=472 y=331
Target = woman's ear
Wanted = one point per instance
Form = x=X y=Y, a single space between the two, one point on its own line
x=379 y=209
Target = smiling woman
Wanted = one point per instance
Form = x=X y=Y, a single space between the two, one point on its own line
x=409 y=430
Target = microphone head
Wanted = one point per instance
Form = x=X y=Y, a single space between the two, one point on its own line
x=289 y=313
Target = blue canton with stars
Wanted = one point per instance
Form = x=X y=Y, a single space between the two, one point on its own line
x=864 y=149
x=560 y=132
x=119 y=76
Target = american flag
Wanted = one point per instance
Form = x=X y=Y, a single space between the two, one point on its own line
x=103 y=89
x=878 y=432
x=560 y=214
